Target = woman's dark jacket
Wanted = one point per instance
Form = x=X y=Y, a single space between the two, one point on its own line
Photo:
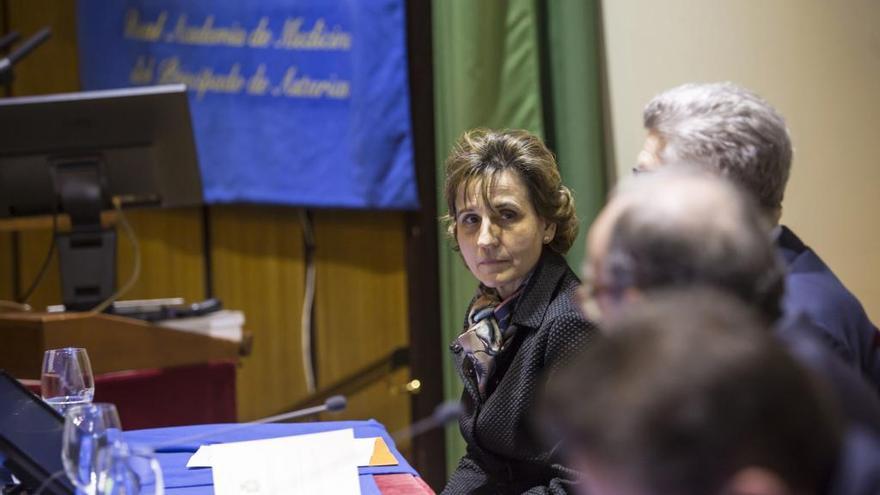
x=505 y=454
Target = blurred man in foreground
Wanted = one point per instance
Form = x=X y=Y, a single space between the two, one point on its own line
x=689 y=394
x=683 y=228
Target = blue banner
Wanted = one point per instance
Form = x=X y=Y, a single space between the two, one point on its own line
x=300 y=102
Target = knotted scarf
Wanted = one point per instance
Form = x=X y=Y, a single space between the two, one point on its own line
x=488 y=333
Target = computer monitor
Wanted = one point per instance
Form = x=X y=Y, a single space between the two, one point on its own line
x=72 y=153
x=31 y=437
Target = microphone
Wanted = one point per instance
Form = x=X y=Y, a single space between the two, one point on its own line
x=444 y=413
x=333 y=403
x=336 y=403
x=9 y=39
x=22 y=51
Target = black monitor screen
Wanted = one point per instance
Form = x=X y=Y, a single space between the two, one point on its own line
x=30 y=437
x=139 y=142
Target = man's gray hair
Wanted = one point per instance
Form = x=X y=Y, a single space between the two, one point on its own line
x=726 y=127
x=683 y=227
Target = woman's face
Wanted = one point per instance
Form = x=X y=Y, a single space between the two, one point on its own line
x=502 y=243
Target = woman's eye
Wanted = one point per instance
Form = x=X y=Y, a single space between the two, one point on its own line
x=508 y=214
x=469 y=220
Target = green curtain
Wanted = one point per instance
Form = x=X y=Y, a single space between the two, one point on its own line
x=525 y=64
x=573 y=47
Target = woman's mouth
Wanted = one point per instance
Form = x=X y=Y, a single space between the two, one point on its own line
x=494 y=262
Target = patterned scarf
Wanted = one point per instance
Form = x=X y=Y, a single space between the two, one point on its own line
x=488 y=332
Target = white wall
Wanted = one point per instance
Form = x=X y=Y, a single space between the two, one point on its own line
x=816 y=61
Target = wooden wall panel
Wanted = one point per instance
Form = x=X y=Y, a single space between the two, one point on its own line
x=361 y=305
x=385 y=401
x=171 y=257
x=51 y=68
x=171 y=254
x=258 y=268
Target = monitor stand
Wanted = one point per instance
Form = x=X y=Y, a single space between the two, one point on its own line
x=86 y=254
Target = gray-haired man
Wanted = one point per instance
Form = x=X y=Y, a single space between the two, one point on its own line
x=732 y=131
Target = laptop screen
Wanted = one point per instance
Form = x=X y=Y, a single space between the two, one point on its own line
x=30 y=437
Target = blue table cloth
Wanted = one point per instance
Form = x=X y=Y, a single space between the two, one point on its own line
x=173 y=455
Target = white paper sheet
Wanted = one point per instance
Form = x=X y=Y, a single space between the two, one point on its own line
x=319 y=463
x=362 y=450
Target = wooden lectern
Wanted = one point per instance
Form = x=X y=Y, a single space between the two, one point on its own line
x=114 y=343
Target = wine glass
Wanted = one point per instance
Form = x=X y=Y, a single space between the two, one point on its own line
x=89 y=429
x=129 y=470
x=66 y=378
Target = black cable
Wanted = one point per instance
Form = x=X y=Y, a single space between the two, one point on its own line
x=307 y=325
x=136 y=255
x=42 y=273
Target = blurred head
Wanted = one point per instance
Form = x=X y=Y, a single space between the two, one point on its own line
x=689 y=394
x=680 y=227
x=506 y=204
x=724 y=128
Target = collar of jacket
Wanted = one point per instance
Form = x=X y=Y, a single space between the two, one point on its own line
x=539 y=291
x=789 y=244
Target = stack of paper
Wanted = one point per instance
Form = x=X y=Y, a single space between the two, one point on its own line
x=319 y=463
x=226 y=324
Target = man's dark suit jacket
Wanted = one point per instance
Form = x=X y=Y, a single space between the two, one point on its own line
x=858 y=467
x=504 y=452
x=812 y=289
x=856 y=397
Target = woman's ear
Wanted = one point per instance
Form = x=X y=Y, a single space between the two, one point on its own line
x=549 y=232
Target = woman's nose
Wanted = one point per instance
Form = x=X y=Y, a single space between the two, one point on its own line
x=488 y=234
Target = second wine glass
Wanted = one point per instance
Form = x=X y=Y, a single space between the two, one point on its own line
x=89 y=430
